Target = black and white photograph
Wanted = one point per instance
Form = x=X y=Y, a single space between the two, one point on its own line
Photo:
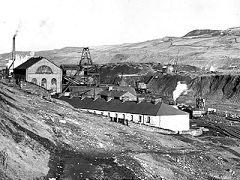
x=120 y=90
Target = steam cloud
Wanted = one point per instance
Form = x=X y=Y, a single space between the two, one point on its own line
x=212 y=69
x=180 y=89
x=19 y=60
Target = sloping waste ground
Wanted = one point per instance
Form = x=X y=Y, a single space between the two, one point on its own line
x=42 y=139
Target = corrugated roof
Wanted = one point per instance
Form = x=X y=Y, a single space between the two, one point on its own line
x=144 y=108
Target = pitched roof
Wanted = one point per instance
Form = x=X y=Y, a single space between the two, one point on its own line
x=125 y=88
x=70 y=66
x=144 y=108
x=112 y=93
x=31 y=61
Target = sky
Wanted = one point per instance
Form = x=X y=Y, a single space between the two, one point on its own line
x=54 y=24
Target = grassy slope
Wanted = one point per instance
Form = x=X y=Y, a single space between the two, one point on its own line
x=33 y=134
x=202 y=51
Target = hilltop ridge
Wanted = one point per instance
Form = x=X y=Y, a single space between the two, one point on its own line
x=199 y=32
x=201 y=48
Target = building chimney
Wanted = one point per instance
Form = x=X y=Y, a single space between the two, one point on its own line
x=13 y=48
x=156 y=101
x=95 y=97
x=140 y=99
x=109 y=98
x=83 y=97
x=13 y=55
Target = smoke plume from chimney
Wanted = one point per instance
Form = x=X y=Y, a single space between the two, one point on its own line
x=180 y=89
x=11 y=65
x=18 y=29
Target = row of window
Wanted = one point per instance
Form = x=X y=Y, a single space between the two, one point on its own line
x=44 y=82
x=123 y=115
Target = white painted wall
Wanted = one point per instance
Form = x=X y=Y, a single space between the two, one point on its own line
x=175 y=123
x=121 y=115
x=57 y=74
x=98 y=112
x=112 y=114
x=154 y=121
x=105 y=113
x=135 y=118
x=128 y=116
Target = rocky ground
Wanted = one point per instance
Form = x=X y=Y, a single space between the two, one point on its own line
x=47 y=138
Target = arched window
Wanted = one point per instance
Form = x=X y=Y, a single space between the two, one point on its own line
x=34 y=80
x=54 y=81
x=54 y=85
x=44 y=70
x=44 y=83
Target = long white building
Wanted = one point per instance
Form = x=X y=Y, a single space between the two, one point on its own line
x=155 y=114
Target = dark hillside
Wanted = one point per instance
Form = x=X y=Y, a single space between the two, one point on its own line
x=218 y=87
x=223 y=88
x=112 y=73
x=199 y=32
x=42 y=139
x=215 y=88
x=166 y=84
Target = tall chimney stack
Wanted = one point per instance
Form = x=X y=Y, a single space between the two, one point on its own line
x=13 y=50
x=13 y=55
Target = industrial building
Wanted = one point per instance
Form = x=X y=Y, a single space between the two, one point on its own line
x=40 y=71
x=155 y=113
x=116 y=94
x=121 y=104
x=82 y=84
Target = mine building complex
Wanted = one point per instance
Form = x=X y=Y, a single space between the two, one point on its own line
x=121 y=104
x=80 y=86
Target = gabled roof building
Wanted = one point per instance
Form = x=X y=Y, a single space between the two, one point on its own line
x=40 y=71
x=116 y=94
x=155 y=114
